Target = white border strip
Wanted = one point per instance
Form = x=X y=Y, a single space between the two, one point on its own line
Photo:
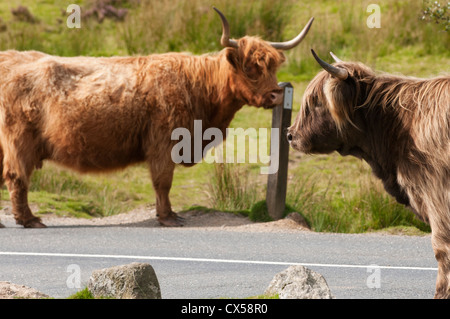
x=207 y=260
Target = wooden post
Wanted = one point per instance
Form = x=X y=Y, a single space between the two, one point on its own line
x=277 y=182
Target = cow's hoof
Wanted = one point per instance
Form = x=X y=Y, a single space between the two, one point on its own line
x=2 y=226
x=172 y=221
x=34 y=223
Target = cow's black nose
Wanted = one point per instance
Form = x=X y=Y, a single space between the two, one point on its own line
x=289 y=137
x=276 y=98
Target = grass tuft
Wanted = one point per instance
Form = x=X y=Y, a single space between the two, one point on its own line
x=229 y=188
x=82 y=294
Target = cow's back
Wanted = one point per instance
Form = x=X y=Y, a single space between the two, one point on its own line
x=99 y=113
x=86 y=113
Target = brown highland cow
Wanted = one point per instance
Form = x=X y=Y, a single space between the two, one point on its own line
x=400 y=126
x=99 y=114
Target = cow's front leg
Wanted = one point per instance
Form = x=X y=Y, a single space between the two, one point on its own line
x=162 y=175
x=441 y=247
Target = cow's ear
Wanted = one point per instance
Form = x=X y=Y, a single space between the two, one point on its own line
x=232 y=57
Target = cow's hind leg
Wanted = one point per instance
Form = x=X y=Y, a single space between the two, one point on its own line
x=16 y=174
x=162 y=175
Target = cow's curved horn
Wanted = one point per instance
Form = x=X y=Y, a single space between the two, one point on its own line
x=225 y=41
x=340 y=73
x=335 y=58
x=295 y=41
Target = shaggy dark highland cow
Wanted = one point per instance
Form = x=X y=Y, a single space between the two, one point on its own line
x=400 y=126
x=99 y=114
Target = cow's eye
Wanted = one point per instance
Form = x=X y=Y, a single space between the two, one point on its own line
x=252 y=71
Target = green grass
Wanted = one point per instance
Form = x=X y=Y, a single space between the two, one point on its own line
x=340 y=194
x=368 y=210
x=333 y=193
x=82 y=294
x=66 y=193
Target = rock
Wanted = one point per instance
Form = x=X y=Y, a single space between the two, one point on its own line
x=132 y=281
x=299 y=282
x=13 y=291
x=102 y=9
x=23 y=14
x=299 y=219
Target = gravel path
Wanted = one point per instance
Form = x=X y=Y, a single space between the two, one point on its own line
x=146 y=217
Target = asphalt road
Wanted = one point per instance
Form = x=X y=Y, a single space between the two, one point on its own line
x=196 y=263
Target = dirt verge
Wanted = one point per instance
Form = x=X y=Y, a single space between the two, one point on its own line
x=146 y=217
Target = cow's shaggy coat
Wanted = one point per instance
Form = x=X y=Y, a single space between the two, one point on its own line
x=400 y=126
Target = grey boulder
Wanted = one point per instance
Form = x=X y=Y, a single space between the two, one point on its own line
x=132 y=281
x=299 y=282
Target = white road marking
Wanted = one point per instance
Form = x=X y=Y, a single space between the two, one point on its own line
x=207 y=260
